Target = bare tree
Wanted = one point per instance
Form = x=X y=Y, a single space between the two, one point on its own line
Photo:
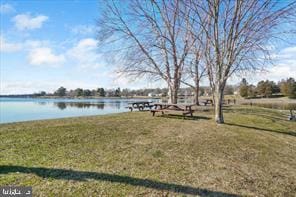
x=194 y=71
x=151 y=39
x=195 y=68
x=237 y=34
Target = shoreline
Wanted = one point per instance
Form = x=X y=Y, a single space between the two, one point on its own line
x=91 y=97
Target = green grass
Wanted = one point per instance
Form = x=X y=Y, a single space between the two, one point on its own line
x=254 y=153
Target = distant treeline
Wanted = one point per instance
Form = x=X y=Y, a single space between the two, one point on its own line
x=118 y=92
x=285 y=87
x=266 y=88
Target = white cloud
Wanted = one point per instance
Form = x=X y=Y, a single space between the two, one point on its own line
x=17 y=87
x=87 y=43
x=28 y=22
x=83 y=29
x=31 y=44
x=28 y=87
x=28 y=45
x=6 y=8
x=288 y=50
x=284 y=67
x=6 y=46
x=45 y=56
x=282 y=71
x=84 y=53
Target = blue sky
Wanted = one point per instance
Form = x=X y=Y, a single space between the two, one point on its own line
x=50 y=43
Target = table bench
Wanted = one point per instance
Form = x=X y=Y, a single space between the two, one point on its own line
x=208 y=101
x=185 y=109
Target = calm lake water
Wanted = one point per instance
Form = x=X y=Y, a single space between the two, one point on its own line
x=24 y=109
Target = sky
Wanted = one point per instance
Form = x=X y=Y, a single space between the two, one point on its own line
x=45 y=44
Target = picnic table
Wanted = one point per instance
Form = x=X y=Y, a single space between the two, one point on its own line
x=165 y=107
x=141 y=105
x=229 y=101
x=208 y=101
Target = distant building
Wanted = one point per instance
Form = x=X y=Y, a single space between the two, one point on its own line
x=151 y=94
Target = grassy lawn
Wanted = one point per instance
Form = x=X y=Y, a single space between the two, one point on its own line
x=254 y=153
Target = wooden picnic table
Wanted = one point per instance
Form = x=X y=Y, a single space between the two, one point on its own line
x=208 y=101
x=141 y=105
x=166 y=107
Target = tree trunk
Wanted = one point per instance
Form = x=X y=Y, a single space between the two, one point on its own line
x=169 y=95
x=173 y=94
x=218 y=102
x=196 y=93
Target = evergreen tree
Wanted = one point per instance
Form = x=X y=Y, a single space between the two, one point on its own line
x=60 y=92
x=86 y=92
x=101 y=92
x=243 y=88
x=117 y=92
x=78 y=92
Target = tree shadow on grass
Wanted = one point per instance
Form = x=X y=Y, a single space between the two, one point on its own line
x=264 y=129
x=177 y=116
x=85 y=176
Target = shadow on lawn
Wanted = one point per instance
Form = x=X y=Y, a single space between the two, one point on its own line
x=84 y=176
x=264 y=129
x=177 y=116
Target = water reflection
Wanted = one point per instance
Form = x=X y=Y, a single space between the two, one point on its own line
x=64 y=105
x=20 y=109
x=117 y=104
x=100 y=105
x=61 y=105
